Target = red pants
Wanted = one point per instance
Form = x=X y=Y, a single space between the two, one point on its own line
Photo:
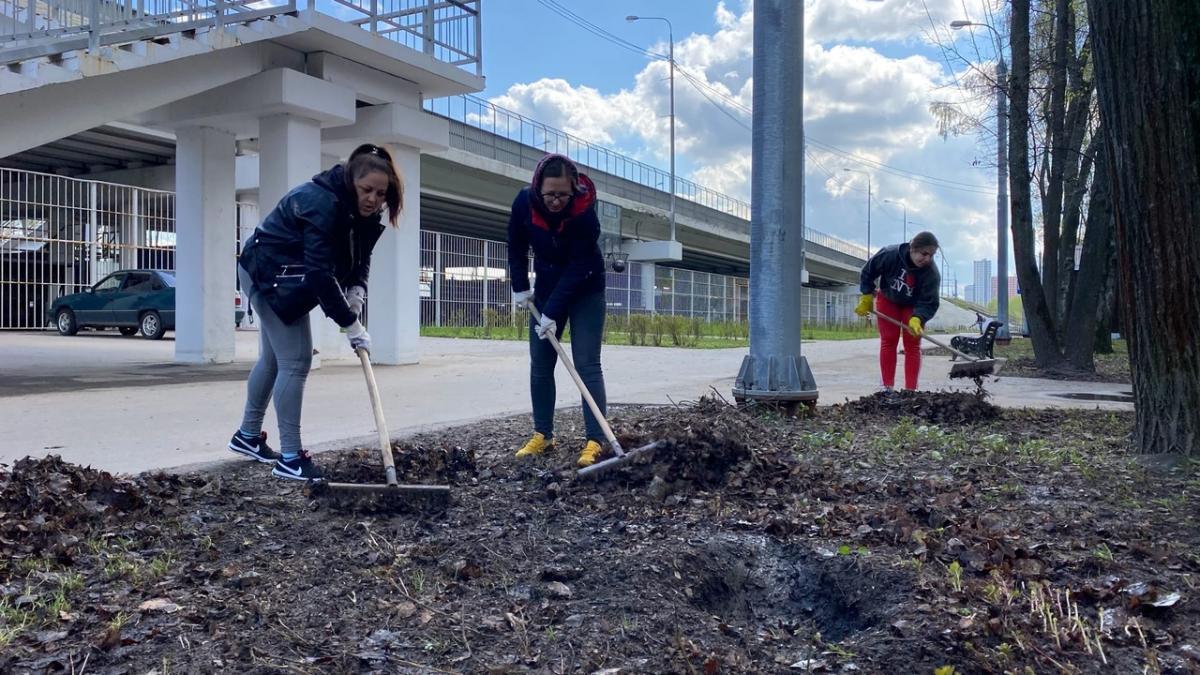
x=889 y=336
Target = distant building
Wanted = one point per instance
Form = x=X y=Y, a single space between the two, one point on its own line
x=1012 y=286
x=969 y=293
x=984 y=292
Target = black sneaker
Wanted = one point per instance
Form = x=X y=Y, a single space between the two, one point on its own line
x=300 y=468
x=254 y=447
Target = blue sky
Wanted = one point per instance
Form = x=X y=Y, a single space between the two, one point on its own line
x=872 y=71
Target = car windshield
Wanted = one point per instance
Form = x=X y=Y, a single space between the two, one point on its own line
x=168 y=278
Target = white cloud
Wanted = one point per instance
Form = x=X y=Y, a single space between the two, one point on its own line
x=857 y=99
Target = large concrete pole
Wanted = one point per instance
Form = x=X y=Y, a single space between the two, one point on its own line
x=290 y=155
x=204 y=246
x=394 y=299
x=775 y=370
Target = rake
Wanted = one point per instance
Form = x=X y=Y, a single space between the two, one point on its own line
x=621 y=456
x=389 y=490
x=971 y=367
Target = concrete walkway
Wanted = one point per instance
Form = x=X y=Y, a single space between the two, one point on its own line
x=121 y=404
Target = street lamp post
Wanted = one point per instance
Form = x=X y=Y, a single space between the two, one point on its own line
x=671 y=60
x=905 y=207
x=1001 y=182
x=868 y=205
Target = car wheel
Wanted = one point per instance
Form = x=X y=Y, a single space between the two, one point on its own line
x=65 y=322
x=128 y=330
x=152 y=326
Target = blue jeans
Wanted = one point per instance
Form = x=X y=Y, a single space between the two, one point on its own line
x=284 y=359
x=586 y=317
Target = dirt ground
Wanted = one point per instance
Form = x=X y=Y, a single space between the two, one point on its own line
x=933 y=533
x=1112 y=367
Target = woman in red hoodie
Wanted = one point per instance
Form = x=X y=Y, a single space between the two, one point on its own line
x=907 y=292
x=556 y=216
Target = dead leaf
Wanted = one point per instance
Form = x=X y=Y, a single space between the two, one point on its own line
x=557 y=589
x=810 y=665
x=1167 y=600
x=424 y=617
x=159 y=605
x=406 y=609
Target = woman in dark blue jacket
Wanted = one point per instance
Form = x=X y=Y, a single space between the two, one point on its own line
x=316 y=242
x=556 y=217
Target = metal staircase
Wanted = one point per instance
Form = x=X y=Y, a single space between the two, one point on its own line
x=51 y=41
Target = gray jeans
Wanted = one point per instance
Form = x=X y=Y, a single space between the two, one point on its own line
x=284 y=359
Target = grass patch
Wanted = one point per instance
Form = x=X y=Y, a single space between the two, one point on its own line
x=652 y=331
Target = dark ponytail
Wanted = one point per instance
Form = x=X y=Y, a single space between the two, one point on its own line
x=368 y=158
x=924 y=240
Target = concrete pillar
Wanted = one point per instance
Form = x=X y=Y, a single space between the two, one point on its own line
x=648 y=272
x=394 y=293
x=204 y=271
x=290 y=155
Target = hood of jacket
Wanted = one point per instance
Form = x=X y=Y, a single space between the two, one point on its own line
x=585 y=197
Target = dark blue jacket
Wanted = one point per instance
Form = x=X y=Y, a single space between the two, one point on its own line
x=316 y=231
x=902 y=282
x=566 y=252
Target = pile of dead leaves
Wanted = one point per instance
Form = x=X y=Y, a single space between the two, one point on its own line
x=47 y=504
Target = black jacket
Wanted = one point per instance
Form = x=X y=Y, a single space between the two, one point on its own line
x=902 y=282
x=316 y=231
x=566 y=252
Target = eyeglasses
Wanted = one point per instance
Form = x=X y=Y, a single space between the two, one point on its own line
x=556 y=196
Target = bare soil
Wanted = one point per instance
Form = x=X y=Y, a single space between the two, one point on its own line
x=881 y=536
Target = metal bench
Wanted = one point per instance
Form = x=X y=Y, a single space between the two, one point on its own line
x=977 y=346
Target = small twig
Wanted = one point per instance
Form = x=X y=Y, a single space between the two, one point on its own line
x=719 y=395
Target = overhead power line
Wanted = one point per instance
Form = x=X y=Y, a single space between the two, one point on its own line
x=716 y=97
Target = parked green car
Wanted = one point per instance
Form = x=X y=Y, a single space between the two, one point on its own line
x=130 y=300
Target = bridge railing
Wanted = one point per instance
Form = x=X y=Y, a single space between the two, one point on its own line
x=30 y=22
x=447 y=30
x=515 y=127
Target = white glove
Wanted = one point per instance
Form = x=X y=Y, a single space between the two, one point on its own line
x=545 y=326
x=358 y=336
x=520 y=298
x=356 y=297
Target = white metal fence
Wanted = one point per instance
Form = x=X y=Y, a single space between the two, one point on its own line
x=59 y=235
x=464 y=282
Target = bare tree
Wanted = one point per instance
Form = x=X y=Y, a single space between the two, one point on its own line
x=1148 y=83
x=1057 y=124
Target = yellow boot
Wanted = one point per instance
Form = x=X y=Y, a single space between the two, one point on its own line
x=536 y=445
x=591 y=452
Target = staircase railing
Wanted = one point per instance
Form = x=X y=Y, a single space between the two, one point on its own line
x=447 y=30
x=25 y=23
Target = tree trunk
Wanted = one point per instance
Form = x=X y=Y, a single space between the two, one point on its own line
x=1089 y=284
x=1033 y=299
x=1076 y=181
x=1078 y=169
x=1056 y=140
x=1147 y=56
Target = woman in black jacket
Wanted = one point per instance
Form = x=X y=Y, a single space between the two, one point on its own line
x=908 y=285
x=556 y=217
x=316 y=242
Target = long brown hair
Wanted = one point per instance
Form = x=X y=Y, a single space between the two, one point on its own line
x=368 y=158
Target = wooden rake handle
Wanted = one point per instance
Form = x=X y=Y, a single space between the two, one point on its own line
x=583 y=390
x=385 y=440
x=926 y=336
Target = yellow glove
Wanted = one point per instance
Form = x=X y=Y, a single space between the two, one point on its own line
x=914 y=324
x=865 y=304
